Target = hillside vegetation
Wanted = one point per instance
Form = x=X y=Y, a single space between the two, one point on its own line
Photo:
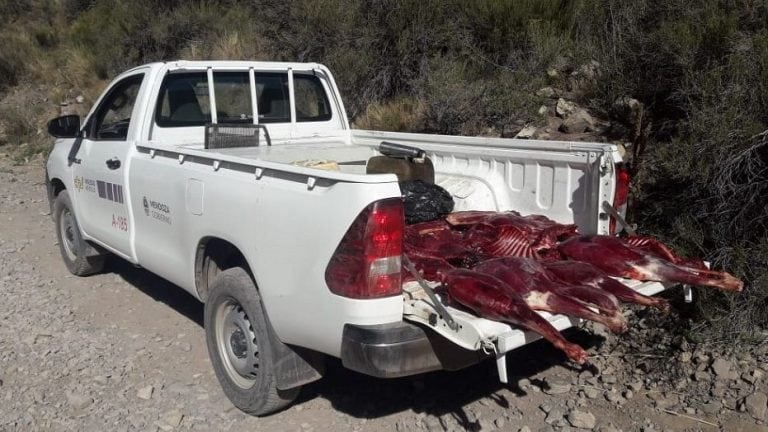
x=699 y=68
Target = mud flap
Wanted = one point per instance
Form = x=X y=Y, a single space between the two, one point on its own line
x=294 y=366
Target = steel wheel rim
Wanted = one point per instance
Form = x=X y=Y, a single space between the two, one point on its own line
x=67 y=227
x=236 y=343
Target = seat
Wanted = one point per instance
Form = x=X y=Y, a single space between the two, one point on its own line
x=183 y=103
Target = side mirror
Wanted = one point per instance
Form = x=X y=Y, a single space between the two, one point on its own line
x=67 y=126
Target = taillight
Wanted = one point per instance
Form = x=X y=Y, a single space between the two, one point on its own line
x=622 y=194
x=366 y=264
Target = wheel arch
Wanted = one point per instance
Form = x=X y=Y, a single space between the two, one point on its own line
x=212 y=256
x=295 y=366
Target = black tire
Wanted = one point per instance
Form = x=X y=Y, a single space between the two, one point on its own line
x=80 y=258
x=234 y=316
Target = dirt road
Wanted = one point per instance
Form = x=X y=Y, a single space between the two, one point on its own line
x=125 y=350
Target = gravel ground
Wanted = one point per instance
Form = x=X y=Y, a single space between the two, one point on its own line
x=124 y=350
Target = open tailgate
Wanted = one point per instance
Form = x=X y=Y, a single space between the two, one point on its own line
x=475 y=333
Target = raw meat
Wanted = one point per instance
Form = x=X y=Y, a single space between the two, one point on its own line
x=530 y=280
x=438 y=239
x=660 y=250
x=500 y=234
x=581 y=273
x=488 y=297
x=616 y=258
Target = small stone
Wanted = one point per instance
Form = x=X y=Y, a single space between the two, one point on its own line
x=556 y=387
x=578 y=122
x=614 y=397
x=546 y=92
x=80 y=99
x=702 y=376
x=526 y=132
x=582 y=419
x=722 y=368
x=628 y=394
x=543 y=110
x=145 y=392
x=172 y=418
x=756 y=405
x=78 y=401
x=554 y=415
x=500 y=422
x=685 y=357
x=712 y=408
x=591 y=392
x=565 y=108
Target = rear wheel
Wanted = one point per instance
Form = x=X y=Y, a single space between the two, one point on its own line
x=80 y=258
x=239 y=347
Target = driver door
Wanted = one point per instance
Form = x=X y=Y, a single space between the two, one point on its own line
x=100 y=174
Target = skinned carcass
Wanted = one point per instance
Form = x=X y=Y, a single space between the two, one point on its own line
x=501 y=234
x=617 y=258
x=490 y=298
x=530 y=280
x=576 y=272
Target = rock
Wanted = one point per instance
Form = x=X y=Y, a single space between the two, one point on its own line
x=80 y=99
x=590 y=70
x=565 y=108
x=554 y=415
x=78 y=401
x=172 y=418
x=582 y=419
x=711 y=408
x=628 y=394
x=685 y=357
x=145 y=392
x=702 y=376
x=556 y=387
x=722 y=368
x=578 y=122
x=526 y=132
x=547 y=92
x=756 y=405
x=614 y=397
x=591 y=392
x=543 y=110
x=500 y=422
x=552 y=73
x=753 y=376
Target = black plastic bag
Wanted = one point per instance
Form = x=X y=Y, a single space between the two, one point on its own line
x=424 y=202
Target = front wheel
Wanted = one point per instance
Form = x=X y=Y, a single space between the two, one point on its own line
x=80 y=258
x=239 y=347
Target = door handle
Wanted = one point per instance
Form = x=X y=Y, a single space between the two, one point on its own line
x=113 y=163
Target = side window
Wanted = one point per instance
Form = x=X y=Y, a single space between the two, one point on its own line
x=113 y=116
x=311 y=100
x=233 y=97
x=273 y=99
x=183 y=100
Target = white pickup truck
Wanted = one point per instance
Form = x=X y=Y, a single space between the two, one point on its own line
x=251 y=229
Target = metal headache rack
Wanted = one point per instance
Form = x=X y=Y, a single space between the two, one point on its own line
x=229 y=135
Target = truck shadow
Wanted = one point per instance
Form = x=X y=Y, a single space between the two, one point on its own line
x=158 y=289
x=441 y=394
x=436 y=394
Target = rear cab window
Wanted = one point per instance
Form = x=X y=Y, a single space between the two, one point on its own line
x=184 y=99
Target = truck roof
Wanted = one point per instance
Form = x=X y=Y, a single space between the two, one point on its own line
x=204 y=64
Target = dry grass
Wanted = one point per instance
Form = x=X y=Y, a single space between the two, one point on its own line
x=400 y=115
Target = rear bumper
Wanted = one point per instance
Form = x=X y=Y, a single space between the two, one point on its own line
x=401 y=349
